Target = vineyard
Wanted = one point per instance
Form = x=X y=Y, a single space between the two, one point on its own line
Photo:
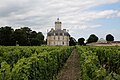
x=44 y=63
x=32 y=63
x=99 y=63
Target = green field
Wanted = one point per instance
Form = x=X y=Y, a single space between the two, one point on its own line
x=44 y=63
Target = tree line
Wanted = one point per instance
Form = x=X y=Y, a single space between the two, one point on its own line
x=26 y=37
x=23 y=37
x=92 y=38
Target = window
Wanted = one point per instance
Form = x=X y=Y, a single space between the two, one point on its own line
x=56 y=34
x=60 y=34
x=58 y=37
x=63 y=43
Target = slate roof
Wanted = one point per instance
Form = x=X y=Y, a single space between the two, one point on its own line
x=58 y=32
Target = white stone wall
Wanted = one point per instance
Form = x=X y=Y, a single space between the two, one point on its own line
x=52 y=37
x=56 y=37
x=60 y=38
x=54 y=41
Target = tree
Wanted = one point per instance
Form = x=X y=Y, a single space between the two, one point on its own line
x=21 y=37
x=109 y=37
x=33 y=34
x=6 y=36
x=32 y=38
x=72 y=41
x=92 y=38
x=26 y=37
x=81 y=41
x=40 y=37
x=36 y=39
x=27 y=32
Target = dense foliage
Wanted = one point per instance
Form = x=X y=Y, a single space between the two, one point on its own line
x=109 y=37
x=99 y=63
x=32 y=63
x=72 y=41
x=23 y=37
x=44 y=63
x=92 y=38
x=81 y=41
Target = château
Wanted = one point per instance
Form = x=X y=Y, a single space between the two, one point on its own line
x=57 y=36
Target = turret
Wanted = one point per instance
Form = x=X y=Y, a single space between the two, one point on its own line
x=58 y=24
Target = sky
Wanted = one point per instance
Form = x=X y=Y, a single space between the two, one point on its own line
x=80 y=17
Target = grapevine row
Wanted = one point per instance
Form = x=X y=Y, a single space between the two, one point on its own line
x=32 y=63
x=99 y=63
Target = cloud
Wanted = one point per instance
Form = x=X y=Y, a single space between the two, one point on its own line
x=41 y=14
x=118 y=14
x=23 y=9
x=88 y=16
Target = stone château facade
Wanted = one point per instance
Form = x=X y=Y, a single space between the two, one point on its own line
x=57 y=36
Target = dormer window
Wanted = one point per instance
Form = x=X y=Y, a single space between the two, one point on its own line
x=60 y=34
x=56 y=34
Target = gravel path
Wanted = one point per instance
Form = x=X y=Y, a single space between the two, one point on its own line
x=71 y=69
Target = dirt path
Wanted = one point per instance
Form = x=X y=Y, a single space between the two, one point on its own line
x=71 y=70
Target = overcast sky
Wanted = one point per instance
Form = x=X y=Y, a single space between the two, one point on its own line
x=80 y=17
